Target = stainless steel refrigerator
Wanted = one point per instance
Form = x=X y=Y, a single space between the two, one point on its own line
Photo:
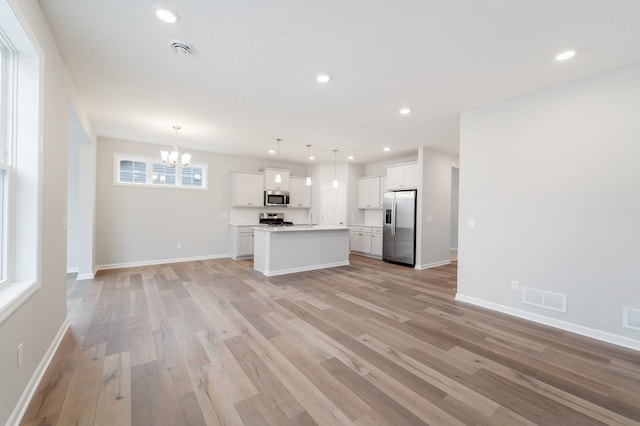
x=399 y=228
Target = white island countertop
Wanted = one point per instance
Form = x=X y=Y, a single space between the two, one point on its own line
x=279 y=250
x=298 y=228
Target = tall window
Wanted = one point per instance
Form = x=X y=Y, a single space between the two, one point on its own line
x=19 y=162
x=4 y=166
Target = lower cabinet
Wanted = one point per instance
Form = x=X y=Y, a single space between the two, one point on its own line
x=360 y=240
x=376 y=242
x=241 y=242
x=366 y=240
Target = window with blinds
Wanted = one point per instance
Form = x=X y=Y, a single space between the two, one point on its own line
x=192 y=176
x=145 y=171
x=132 y=171
x=163 y=174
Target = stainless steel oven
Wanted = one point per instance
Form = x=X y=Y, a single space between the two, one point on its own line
x=276 y=198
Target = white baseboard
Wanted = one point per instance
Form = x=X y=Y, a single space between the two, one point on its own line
x=433 y=265
x=88 y=276
x=23 y=402
x=72 y=269
x=552 y=322
x=157 y=262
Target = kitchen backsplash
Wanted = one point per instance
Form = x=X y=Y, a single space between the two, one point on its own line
x=249 y=216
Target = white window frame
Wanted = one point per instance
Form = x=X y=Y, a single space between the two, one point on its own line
x=150 y=161
x=21 y=139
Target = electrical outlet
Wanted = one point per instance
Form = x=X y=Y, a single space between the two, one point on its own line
x=471 y=223
x=179 y=245
x=20 y=354
x=515 y=286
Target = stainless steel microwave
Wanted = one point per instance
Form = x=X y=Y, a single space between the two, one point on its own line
x=276 y=198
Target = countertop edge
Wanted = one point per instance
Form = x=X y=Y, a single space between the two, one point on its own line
x=300 y=228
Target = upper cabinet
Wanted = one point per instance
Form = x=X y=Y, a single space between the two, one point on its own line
x=404 y=176
x=299 y=193
x=369 y=193
x=248 y=189
x=270 y=180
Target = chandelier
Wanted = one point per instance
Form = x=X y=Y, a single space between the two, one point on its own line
x=171 y=158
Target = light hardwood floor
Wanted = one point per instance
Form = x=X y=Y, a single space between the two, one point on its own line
x=214 y=342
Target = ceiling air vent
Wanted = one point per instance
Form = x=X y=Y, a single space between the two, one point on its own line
x=181 y=48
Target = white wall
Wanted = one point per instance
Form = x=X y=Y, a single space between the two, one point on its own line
x=73 y=180
x=552 y=181
x=38 y=320
x=143 y=224
x=81 y=199
x=434 y=208
x=455 y=199
x=354 y=173
x=380 y=168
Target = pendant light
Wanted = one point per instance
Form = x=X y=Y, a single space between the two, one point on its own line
x=308 y=182
x=335 y=179
x=171 y=158
x=278 y=175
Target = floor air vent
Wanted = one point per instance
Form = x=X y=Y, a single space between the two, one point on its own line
x=544 y=299
x=631 y=318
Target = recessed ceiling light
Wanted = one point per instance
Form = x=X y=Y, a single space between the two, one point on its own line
x=405 y=111
x=167 y=15
x=350 y=157
x=271 y=151
x=386 y=149
x=566 y=55
x=312 y=158
x=323 y=78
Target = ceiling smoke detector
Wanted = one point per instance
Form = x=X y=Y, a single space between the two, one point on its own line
x=181 y=48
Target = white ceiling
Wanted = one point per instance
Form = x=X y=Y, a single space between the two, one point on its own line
x=251 y=76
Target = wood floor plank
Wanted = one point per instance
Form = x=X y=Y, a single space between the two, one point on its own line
x=391 y=410
x=214 y=400
x=280 y=401
x=114 y=400
x=214 y=342
x=171 y=363
x=150 y=401
x=79 y=406
x=53 y=387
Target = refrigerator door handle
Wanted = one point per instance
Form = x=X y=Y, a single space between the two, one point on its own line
x=393 y=218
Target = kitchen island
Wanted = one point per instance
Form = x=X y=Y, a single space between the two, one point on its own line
x=288 y=249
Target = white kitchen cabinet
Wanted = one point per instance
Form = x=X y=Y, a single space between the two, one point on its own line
x=404 y=176
x=299 y=193
x=248 y=189
x=241 y=242
x=376 y=242
x=366 y=240
x=369 y=193
x=270 y=180
x=360 y=239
